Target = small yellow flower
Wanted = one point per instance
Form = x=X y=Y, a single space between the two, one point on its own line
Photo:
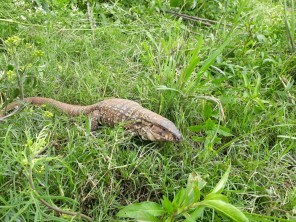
x=38 y=53
x=10 y=74
x=23 y=68
x=29 y=66
x=13 y=41
x=29 y=142
x=25 y=162
x=31 y=110
x=65 y=216
x=48 y=114
x=29 y=46
x=41 y=169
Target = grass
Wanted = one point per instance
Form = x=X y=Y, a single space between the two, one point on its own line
x=138 y=53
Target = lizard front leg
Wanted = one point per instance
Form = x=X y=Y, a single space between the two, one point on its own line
x=95 y=120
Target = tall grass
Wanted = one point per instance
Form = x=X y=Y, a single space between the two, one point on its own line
x=289 y=17
x=220 y=85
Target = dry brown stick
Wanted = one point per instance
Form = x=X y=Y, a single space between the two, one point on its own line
x=3 y=117
x=90 y=15
x=193 y=18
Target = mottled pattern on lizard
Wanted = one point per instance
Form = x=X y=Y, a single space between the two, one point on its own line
x=135 y=118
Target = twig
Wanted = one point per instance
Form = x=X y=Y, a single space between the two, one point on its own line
x=90 y=16
x=193 y=18
x=3 y=117
x=52 y=207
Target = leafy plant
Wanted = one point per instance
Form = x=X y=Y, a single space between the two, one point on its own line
x=189 y=203
x=212 y=131
x=32 y=163
x=20 y=65
x=92 y=173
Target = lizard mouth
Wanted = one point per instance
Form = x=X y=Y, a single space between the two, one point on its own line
x=153 y=136
x=178 y=138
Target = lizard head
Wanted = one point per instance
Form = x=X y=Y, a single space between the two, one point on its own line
x=160 y=133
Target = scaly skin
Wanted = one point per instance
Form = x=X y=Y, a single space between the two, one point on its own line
x=136 y=119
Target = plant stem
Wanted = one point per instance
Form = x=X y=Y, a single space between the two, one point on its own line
x=193 y=18
x=90 y=16
x=52 y=207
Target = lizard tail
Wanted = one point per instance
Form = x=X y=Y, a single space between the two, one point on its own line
x=72 y=110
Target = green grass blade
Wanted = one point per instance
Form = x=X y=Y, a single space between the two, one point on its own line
x=263 y=218
x=20 y=211
x=221 y=184
x=136 y=210
x=290 y=25
x=194 y=61
x=293 y=19
x=226 y=208
x=207 y=64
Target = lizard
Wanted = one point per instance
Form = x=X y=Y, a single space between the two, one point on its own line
x=135 y=118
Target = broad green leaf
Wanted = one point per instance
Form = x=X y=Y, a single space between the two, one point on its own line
x=181 y=198
x=197 y=213
x=221 y=184
x=198 y=139
x=225 y=208
x=216 y=196
x=146 y=217
x=167 y=205
x=210 y=124
x=137 y=210
x=196 y=128
x=223 y=131
x=208 y=110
